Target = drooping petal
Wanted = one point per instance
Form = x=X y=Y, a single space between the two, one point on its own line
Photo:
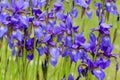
x=17 y=35
x=29 y=43
x=70 y=77
x=89 y=13
x=40 y=50
x=38 y=32
x=47 y=37
x=30 y=56
x=74 y=56
x=99 y=74
x=74 y=12
x=55 y=52
x=53 y=61
x=81 y=3
x=3 y=31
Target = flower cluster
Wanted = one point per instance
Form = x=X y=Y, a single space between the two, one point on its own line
x=30 y=25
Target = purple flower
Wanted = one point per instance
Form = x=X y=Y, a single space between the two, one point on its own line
x=29 y=43
x=17 y=35
x=54 y=52
x=3 y=31
x=38 y=3
x=13 y=52
x=3 y=16
x=99 y=9
x=89 y=13
x=74 y=12
x=30 y=56
x=61 y=16
x=4 y=3
x=106 y=45
x=24 y=21
x=66 y=52
x=36 y=11
x=70 y=77
x=40 y=50
x=103 y=63
x=93 y=42
x=82 y=3
x=99 y=74
x=47 y=37
x=74 y=56
x=79 y=38
x=69 y=24
x=19 y=5
x=82 y=55
x=53 y=61
x=38 y=32
x=58 y=6
x=68 y=41
x=111 y=7
x=11 y=43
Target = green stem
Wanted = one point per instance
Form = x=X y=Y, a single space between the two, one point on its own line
x=37 y=71
x=6 y=66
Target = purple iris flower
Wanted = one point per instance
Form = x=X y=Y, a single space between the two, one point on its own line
x=11 y=43
x=68 y=41
x=19 y=5
x=70 y=77
x=3 y=16
x=61 y=16
x=30 y=56
x=111 y=7
x=66 y=52
x=74 y=12
x=105 y=28
x=75 y=28
x=38 y=32
x=89 y=13
x=4 y=3
x=106 y=45
x=38 y=3
x=82 y=55
x=29 y=43
x=36 y=11
x=24 y=21
x=79 y=38
x=40 y=50
x=53 y=61
x=42 y=16
x=17 y=35
x=82 y=3
x=93 y=42
x=103 y=63
x=47 y=37
x=55 y=53
x=74 y=55
x=99 y=9
x=99 y=74
x=3 y=31
x=58 y=6
x=69 y=23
